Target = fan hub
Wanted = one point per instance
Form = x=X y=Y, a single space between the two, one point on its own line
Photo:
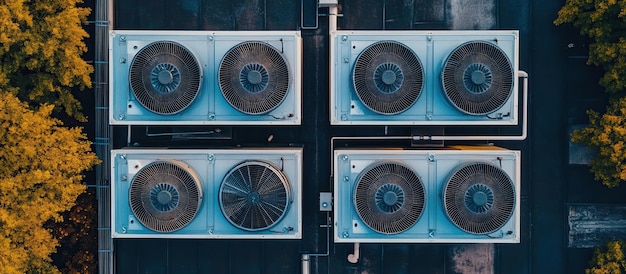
x=478 y=77
x=390 y=198
x=164 y=197
x=388 y=78
x=254 y=77
x=253 y=197
x=165 y=77
x=479 y=198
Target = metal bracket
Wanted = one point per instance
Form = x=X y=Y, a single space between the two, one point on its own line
x=326 y=201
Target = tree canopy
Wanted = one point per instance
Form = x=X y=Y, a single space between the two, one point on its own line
x=604 y=21
x=41 y=43
x=43 y=161
x=40 y=177
x=609 y=259
x=607 y=133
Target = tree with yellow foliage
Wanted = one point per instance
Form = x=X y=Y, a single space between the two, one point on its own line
x=609 y=259
x=40 y=177
x=607 y=133
x=604 y=21
x=41 y=43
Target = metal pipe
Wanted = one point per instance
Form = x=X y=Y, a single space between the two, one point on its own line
x=332 y=19
x=306 y=262
x=524 y=134
x=332 y=27
x=103 y=19
x=354 y=257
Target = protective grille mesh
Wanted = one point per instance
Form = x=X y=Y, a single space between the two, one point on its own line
x=254 y=196
x=389 y=197
x=254 y=77
x=165 y=196
x=478 y=78
x=388 y=77
x=165 y=77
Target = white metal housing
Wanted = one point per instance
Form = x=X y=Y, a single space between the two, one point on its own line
x=433 y=168
x=211 y=166
x=432 y=48
x=209 y=107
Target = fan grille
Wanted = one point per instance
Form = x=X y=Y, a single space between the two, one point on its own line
x=165 y=77
x=479 y=198
x=165 y=196
x=254 y=196
x=388 y=77
x=478 y=78
x=389 y=197
x=254 y=77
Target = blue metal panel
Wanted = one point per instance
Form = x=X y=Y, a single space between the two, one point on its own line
x=434 y=168
x=209 y=107
x=431 y=107
x=210 y=167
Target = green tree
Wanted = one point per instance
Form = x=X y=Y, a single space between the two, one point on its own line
x=41 y=43
x=604 y=21
x=40 y=178
x=608 y=260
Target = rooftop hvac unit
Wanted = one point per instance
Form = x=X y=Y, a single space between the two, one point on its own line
x=427 y=196
x=239 y=193
x=202 y=77
x=424 y=77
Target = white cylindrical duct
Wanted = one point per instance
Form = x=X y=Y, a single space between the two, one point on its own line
x=306 y=263
x=354 y=257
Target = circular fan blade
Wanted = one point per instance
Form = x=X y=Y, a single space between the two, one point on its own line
x=254 y=196
x=388 y=77
x=254 y=77
x=389 y=197
x=165 y=77
x=479 y=198
x=165 y=196
x=477 y=78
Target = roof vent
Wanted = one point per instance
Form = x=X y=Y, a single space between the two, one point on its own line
x=479 y=198
x=254 y=196
x=165 y=77
x=388 y=77
x=254 y=77
x=389 y=197
x=477 y=78
x=165 y=195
